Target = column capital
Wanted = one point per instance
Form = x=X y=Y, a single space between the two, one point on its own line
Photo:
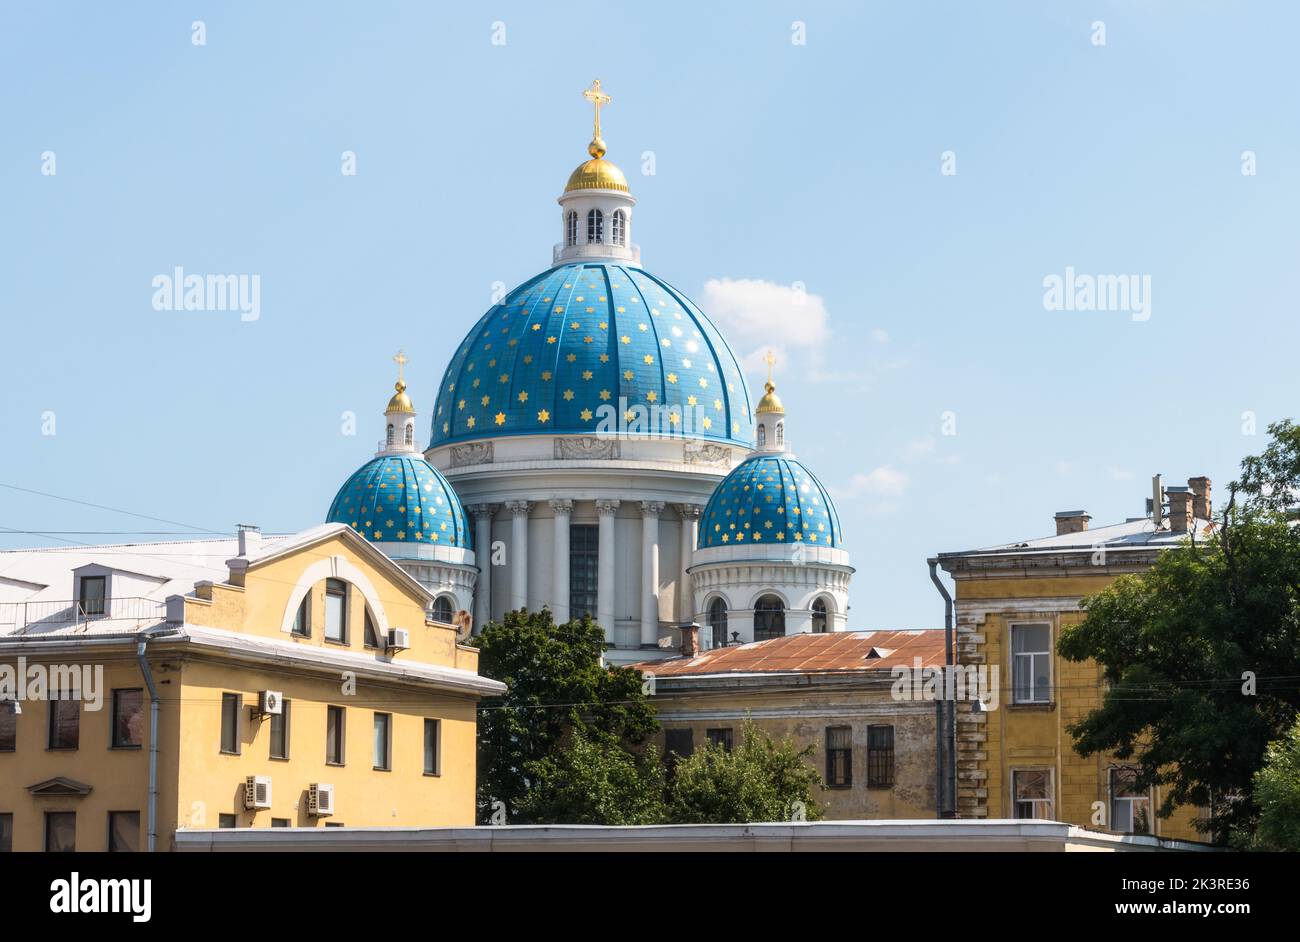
x=651 y=508
x=690 y=510
x=519 y=508
x=606 y=506
x=561 y=506
x=481 y=510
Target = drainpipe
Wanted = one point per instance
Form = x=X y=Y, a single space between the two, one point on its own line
x=142 y=640
x=945 y=748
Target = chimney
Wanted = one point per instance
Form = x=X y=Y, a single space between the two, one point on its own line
x=1180 y=508
x=690 y=639
x=1201 y=506
x=250 y=539
x=1071 y=521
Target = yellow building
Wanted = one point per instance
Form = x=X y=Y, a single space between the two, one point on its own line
x=305 y=688
x=1015 y=758
x=834 y=691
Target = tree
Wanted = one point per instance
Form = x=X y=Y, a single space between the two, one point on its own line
x=593 y=779
x=1201 y=653
x=1277 y=790
x=559 y=697
x=761 y=780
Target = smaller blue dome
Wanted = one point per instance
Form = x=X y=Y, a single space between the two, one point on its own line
x=401 y=499
x=770 y=498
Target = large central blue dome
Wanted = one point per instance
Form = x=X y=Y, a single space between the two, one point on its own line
x=587 y=334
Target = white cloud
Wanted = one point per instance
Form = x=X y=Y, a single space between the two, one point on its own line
x=756 y=316
x=880 y=336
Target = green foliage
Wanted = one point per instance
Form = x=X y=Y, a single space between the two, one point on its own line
x=760 y=780
x=592 y=779
x=1175 y=645
x=1277 y=790
x=559 y=694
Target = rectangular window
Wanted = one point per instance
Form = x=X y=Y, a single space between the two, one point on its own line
x=584 y=568
x=335 y=723
x=280 y=731
x=1031 y=666
x=1032 y=789
x=720 y=737
x=91 y=595
x=123 y=831
x=383 y=744
x=334 y=824
x=128 y=717
x=6 y=833
x=336 y=610
x=225 y=820
x=8 y=726
x=279 y=822
x=60 y=831
x=302 y=617
x=432 y=745
x=880 y=757
x=679 y=743
x=65 y=722
x=839 y=756
x=231 y=707
x=1130 y=808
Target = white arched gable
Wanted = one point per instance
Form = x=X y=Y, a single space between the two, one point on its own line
x=335 y=567
x=785 y=602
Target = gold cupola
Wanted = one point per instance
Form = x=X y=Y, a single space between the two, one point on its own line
x=401 y=402
x=771 y=402
x=597 y=173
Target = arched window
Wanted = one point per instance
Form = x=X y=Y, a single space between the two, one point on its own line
x=718 y=622
x=762 y=434
x=780 y=433
x=410 y=434
x=571 y=229
x=769 y=618
x=819 y=619
x=442 y=610
x=390 y=433
x=595 y=226
x=619 y=227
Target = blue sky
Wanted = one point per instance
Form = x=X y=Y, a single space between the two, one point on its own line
x=775 y=163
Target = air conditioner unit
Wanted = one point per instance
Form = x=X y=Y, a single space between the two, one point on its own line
x=320 y=799
x=257 y=792
x=399 y=639
x=270 y=701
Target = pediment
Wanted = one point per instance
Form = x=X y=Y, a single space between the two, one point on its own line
x=59 y=787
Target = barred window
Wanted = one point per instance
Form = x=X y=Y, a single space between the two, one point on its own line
x=880 y=757
x=839 y=756
x=584 y=569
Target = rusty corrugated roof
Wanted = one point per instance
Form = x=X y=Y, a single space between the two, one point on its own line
x=811 y=653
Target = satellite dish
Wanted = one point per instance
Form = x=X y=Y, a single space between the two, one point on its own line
x=464 y=623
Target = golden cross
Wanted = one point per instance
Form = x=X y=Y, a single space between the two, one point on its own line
x=769 y=360
x=597 y=98
x=401 y=360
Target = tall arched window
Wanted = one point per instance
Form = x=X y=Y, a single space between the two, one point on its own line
x=769 y=618
x=780 y=433
x=410 y=434
x=595 y=226
x=390 y=433
x=619 y=227
x=819 y=618
x=718 y=622
x=762 y=434
x=571 y=229
x=442 y=610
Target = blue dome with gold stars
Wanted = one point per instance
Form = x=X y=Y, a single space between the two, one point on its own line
x=770 y=498
x=401 y=499
x=587 y=335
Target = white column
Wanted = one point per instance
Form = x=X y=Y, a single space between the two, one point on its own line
x=517 y=557
x=605 y=571
x=650 y=510
x=690 y=532
x=483 y=556
x=560 y=564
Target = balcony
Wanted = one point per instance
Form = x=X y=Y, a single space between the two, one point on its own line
x=126 y=614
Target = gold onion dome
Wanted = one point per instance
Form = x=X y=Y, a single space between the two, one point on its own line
x=400 y=402
x=597 y=173
x=770 y=402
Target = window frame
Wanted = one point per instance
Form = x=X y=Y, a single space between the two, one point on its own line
x=115 y=715
x=100 y=606
x=331 y=711
x=1050 y=800
x=236 y=718
x=595 y=227
x=284 y=718
x=882 y=759
x=387 y=742
x=720 y=736
x=839 y=758
x=584 y=569
x=770 y=615
x=301 y=627
x=49 y=819
x=108 y=844
x=435 y=724
x=9 y=710
x=716 y=623
x=824 y=614
x=337 y=589
x=450 y=609
x=571 y=229
x=52 y=713
x=1016 y=656
x=1147 y=799
x=369 y=630
x=618 y=228
x=6 y=832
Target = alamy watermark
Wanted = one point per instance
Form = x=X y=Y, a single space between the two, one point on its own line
x=1076 y=292
x=181 y=292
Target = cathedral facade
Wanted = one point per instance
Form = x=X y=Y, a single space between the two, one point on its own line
x=594 y=450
